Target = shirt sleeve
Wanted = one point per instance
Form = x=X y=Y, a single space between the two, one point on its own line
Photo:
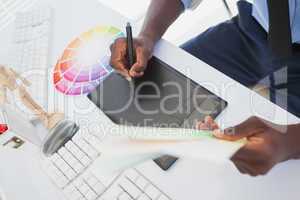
x=191 y=4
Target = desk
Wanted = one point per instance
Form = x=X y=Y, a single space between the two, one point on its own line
x=188 y=179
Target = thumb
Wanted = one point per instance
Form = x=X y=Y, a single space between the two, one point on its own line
x=247 y=128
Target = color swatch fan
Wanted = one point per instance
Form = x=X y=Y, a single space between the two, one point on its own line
x=85 y=61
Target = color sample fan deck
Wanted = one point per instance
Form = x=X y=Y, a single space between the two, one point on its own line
x=85 y=62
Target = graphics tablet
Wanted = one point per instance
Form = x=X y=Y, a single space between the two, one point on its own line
x=163 y=97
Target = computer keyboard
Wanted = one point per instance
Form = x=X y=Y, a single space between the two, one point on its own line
x=133 y=185
x=8 y=9
x=70 y=170
x=30 y=50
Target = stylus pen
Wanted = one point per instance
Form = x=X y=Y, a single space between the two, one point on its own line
x=130 y=50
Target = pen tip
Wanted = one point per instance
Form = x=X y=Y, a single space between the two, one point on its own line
x=128 y=23
x=129 y=79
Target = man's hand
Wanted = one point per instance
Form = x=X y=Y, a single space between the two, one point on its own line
x=160 y=15
x=267 y=143
x=143 y=48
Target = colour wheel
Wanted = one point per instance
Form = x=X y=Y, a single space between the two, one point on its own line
x=85 y=61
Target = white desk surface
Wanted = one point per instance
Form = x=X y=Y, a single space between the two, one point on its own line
x=188 y=179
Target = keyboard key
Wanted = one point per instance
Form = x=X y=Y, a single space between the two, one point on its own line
x=70 y=174
x=69 y=190
x=61 y=181
x=56 y=175
x=99 y=188
x=132 y=174
x=152 y=192
x=78 y=167
x=71 y=147
x=78 y=141
x=141 y=182
x=113 y=193
x=54 y=157
x=92 y=181
x=76 y=195
x=86 y=148
x=85 y=161
x=144 y=197
x=91 y=195
x=62 y=151
x=66 y=168
x=72 y=193
x=124 y=196
x=78 y=182
x=77 y=137
x=91 y=139
x=105 y=179
x=68 y=157
x=75 y=150
x=84 y=188
x=89 y=150
x=129 y=187
x=62 y=165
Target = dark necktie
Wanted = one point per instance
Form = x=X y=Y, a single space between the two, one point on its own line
x=279 y=28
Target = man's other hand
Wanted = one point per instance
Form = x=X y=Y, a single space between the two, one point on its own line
x=267 y=144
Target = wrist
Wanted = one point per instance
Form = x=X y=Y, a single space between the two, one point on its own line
x=148 y=44
x=149 y=38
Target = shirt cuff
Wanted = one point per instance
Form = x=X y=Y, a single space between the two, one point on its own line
x=186 y=3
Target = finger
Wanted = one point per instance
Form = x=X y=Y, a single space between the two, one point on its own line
x=250 y=155
x=140 y=64
x=207 y=124
x=118 y=53
x=250 y=166
x=228 y=135
x=244 y=168
x=239 y=166
x=209 y=121
x=117 y=62
x=215 y=126
x=119 y=66
x=202 y=126
x=245 y=129
x=136 y=74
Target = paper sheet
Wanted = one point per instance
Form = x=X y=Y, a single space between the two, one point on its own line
x=121 y=152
